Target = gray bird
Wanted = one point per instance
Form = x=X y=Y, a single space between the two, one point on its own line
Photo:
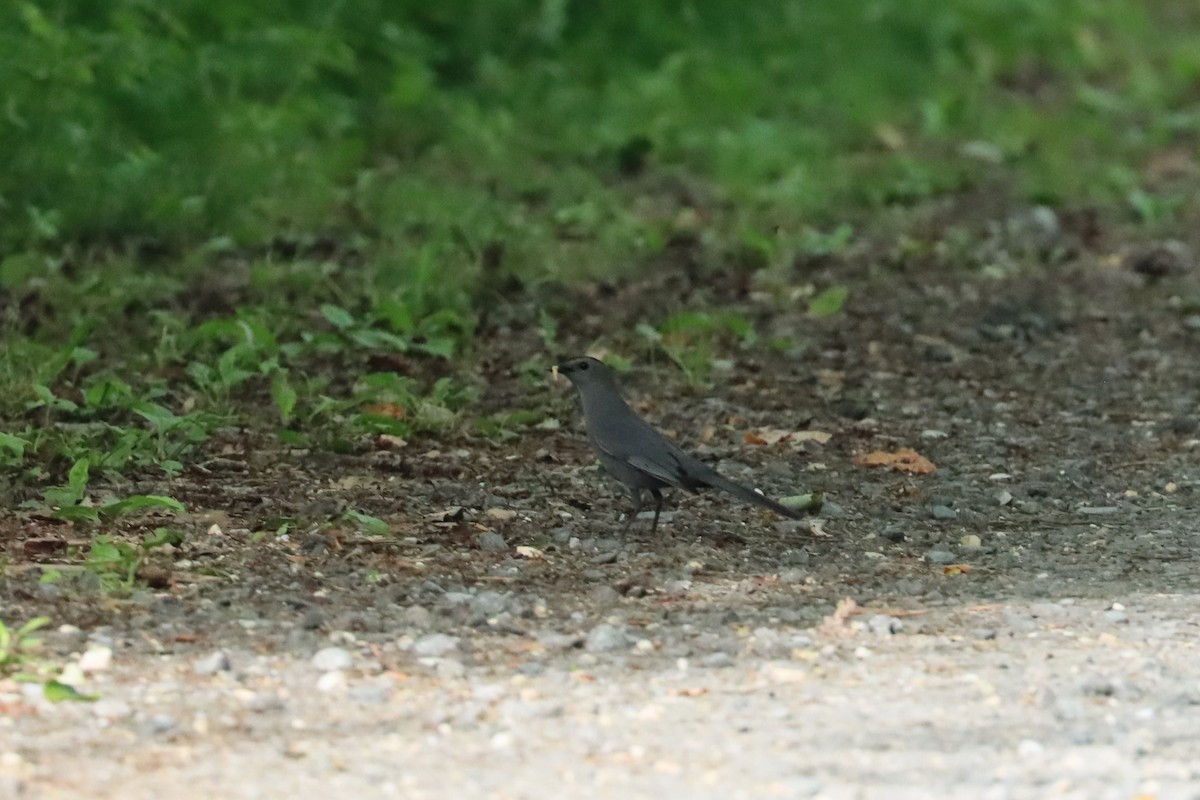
x=635 y=453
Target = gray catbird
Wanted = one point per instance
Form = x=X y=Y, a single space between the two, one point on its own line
x=635 y=453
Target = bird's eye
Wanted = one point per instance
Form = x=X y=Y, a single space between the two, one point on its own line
x=583 y=365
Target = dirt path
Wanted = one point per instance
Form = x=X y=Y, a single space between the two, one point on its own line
x=1021 y=623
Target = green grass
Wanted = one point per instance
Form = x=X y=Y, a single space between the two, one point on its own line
x=286 y=217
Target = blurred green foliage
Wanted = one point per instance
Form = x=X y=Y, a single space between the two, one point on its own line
x=510 y=119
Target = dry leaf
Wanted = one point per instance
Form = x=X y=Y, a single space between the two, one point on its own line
x=525 y=551
x=386 y=441
x=769 y=436
x=452 y=514
x=905 y=460
x=957 y=569
x=390 y=410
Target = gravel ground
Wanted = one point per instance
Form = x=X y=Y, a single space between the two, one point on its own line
x=1020 y=623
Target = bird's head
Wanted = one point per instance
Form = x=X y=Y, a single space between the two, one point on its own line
x=585 y=371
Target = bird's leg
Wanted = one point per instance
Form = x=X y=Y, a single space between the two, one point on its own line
x=636 y=495
x=658 y=501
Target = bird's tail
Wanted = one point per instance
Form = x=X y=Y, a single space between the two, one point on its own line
x=718 y=481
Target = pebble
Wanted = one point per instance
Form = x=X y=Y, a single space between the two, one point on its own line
x=491 y=542
x=331 y=681
x=96 y=659
x=553 y=640
x=884 y=625
x=1028 y=748
x=450 y=668
x=943 y=512
x=1099 y=510
x=111 y=709
x=939 y=555
x=158 y=724
x=329 y=659
x=604 y=638
x=375 y=693
x=489 y=604
x=417 y=616
x=435 y=645
x=933 y=434
x=211 y=664
x=1116 y=615
x=717 y=661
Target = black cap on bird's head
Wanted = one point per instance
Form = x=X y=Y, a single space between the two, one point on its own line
x=584 y=371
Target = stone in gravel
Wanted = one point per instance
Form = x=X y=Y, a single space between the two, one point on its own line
x=435 y=645
x=940 y=555
x=261 y=702
x=604 y=638
x=532 y=668
x=159 y=724
x=457 y=598
x=717 y=661
x=605 y=595
x=1099 y=510
x=970 y=542
x=331 y=681
x=212 y=664
x=1116 y=615
x=884 y=625
x=328 y=659
x=943 y=512
x=313 y=619
x=371 y=694
x=491 y=542
x=111 y=709
x=96 y=659
x=553 y=640
x=489 y=604
x=450 y=668
x=417 y=616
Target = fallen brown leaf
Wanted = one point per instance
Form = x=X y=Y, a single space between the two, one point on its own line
x=904 y=460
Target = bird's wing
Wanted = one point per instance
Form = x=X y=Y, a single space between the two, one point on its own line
x=663 y=472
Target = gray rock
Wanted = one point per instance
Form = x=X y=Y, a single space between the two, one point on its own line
x=327 y=659
x=884 y=625
x=943 y=512
x=604 y=638
x=159 y=724
x=491 y=542
x=717 y=661
x=554 y=641
x=417 y=616
x=375 y=693
x=1116 y=615
x=450 y=668
x=212 y=664
x=940 y=555
x=489 y=604
x=435 y=645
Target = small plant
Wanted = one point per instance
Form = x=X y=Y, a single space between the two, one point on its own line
x=19 y=648
x=690 y=338
x=116 y=563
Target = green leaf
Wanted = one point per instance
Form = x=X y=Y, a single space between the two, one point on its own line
x=828 y=302
x=77 y=514
x=337 y=316
x=57 y=692
x=140 y=502
x=285 y=397
x=372 y=525
x=162 y=536
x=13 y=444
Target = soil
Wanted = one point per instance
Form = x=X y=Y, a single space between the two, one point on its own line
x=1021 y=622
